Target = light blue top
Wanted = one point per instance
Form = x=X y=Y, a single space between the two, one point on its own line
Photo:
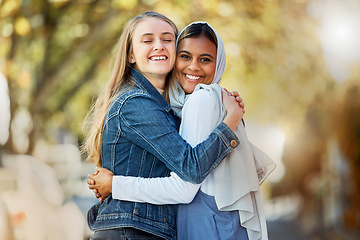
x=201 y=220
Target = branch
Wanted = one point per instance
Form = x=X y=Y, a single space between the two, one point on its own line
x=52 y=80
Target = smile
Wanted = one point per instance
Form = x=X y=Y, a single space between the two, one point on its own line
x=158 y=58
x=192 y=77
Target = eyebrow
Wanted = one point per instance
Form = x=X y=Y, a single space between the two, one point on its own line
x=163 y=33
x=202 y=55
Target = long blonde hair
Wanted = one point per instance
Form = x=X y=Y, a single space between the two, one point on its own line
x=120 y=74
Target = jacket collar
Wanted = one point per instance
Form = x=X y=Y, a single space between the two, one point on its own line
x=145 y=84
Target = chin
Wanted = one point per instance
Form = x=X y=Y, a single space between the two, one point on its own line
x=165 y=71
x=189 y=89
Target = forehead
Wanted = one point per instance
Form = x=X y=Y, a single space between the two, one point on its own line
x=153 y=25
x=199 y=45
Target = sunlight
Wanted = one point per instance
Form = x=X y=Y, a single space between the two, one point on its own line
x=339 y=34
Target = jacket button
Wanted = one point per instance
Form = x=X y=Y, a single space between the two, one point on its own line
x=233 y=143
x=136 y=211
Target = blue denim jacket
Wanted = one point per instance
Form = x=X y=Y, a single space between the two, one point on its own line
x=140 y=138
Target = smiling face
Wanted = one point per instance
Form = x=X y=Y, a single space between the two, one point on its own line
x=195 y=62
x=154 y=51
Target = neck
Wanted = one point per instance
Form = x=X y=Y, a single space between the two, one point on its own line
x=157 y=81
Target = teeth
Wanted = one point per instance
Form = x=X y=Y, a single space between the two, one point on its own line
x=158 y=58
x=192 y=77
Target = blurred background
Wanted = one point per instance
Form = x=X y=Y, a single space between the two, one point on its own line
x=296 y=63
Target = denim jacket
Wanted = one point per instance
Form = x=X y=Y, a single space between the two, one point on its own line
x=140 y=138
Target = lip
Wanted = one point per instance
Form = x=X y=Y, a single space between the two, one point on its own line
x=158 y=58
x=192 y=78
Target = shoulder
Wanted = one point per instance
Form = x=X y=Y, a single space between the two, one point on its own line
x=128 y=92
x=205 y=94
x=127 y=96
x=201 y=94
x=210 y=87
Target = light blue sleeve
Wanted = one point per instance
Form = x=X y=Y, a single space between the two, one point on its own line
x=199 y=116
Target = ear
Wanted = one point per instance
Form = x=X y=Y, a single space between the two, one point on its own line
x=132 y=58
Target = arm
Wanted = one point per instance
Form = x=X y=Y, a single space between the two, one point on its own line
x=197 y=124
x=165 y=190
x=153 y=132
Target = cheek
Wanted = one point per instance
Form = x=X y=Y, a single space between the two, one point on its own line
x=210 y=75
x=177 y=75
x=179 y=66
x=172 y=52
x=141 y=52
x=136 y=55
x=134 y=50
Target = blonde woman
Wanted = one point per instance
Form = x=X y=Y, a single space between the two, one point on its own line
x=135 y=132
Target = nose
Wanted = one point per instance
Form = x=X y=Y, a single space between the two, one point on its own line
x=194 y=65
x=158 y=45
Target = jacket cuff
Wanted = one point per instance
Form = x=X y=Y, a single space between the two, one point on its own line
x=227 y=136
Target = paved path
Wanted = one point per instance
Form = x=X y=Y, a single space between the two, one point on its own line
x=284 y=230
x=288 y=230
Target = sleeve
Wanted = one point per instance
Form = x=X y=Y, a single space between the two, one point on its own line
x=196 y=126
x=198 y=120
x=166 y=190
x=154 y=132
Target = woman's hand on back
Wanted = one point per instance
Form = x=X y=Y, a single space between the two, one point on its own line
x=237 y=97
x=101 y=182
x=234 y=110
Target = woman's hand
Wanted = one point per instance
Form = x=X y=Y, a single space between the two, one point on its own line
x=234 y=111
x=237 y=98
x=101 y=182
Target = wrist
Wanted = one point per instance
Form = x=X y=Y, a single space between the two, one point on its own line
x=111 y=184
x=232 y=121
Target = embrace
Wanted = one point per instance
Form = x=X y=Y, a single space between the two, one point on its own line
x=173 y=160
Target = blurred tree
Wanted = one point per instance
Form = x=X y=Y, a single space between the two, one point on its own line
x=346 y=125
x=56 y=56
x=51 y=49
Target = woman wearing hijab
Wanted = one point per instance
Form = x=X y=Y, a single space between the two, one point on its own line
x=227 y=204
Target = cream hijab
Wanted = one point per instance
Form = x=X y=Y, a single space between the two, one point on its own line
x=177 y=94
